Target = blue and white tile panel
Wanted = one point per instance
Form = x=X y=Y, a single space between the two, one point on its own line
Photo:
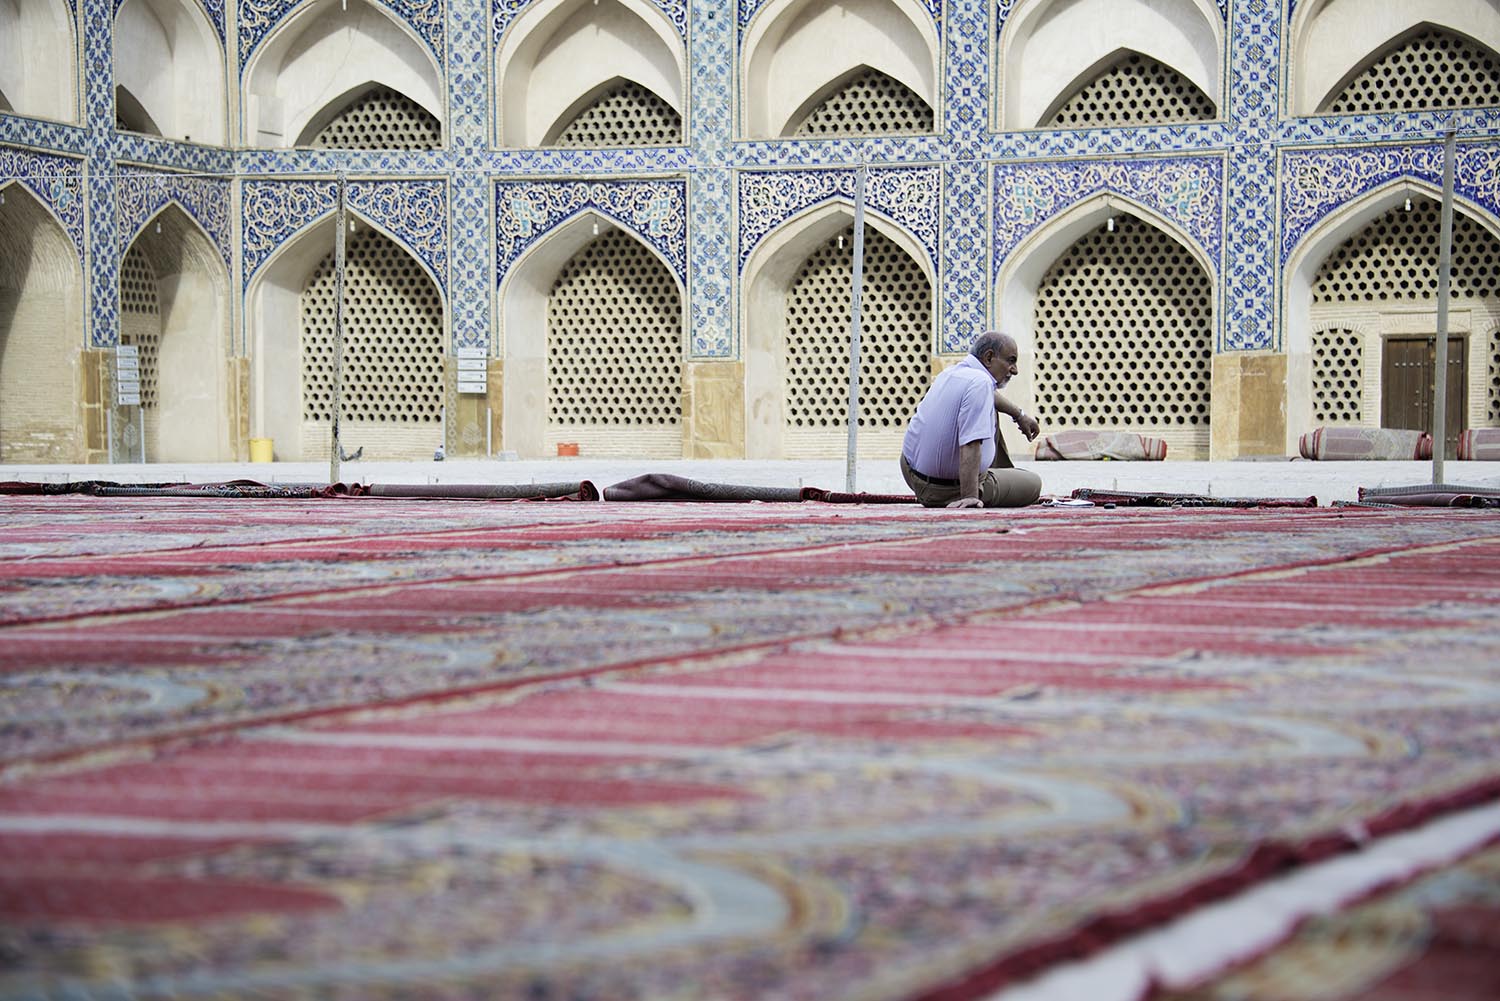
x=413 y=212
x=141 y=193
x=504 y=12
x=258 y=19
x=56 y=181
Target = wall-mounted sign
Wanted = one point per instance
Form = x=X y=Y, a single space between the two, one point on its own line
x=128 y=375
x=473 y=370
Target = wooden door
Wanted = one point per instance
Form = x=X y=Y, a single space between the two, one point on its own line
x=1409 y=385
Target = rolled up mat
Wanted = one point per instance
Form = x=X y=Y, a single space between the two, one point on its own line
x=228 y=489
x=669 y=487
x=582 y=490
x=1125 y=498
x=840 y=497
x=1431 y=495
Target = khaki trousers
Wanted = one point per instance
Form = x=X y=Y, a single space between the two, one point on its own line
x=1002 y=485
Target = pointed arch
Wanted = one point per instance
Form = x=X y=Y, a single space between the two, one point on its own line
x=559 y=51
x=39 y=59
x=1020 y=277
x=168 y=58
x=863 y=101
x=786 y=59
x=1047 y=47
x=523 y=296
x=1331 y=40
x=618 y=112
x=1307 y=259
x=1124 y=89
x=320 y=55
x=370 y=116
x=274 y=321
x=770 y=273
x=180 y=322
x=41 y=315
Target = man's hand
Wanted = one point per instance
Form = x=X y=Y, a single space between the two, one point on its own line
x=1028 y=425
x=966 y=502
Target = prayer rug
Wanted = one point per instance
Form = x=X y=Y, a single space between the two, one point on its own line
x=364 y=748
x=1364 y=444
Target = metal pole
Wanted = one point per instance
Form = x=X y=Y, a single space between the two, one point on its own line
x=340 y=227
x=1445 y=266
x=856 y=289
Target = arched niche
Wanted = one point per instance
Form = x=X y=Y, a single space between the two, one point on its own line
x=274 y=324
x=372 y=117
x=41 y=315
x=1301 y=273
x=174 y=307
x=1048 y=48
x=1020 y=278
x=1331 y=40
x=320 y=56
x=38 y=59
x=768 y=280
x=168 y=58
x=557 y=55
x=786 y=57
x=523 y=307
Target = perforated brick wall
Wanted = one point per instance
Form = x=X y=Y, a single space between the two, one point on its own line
x=1137 y=90
x=140 y=324
x=381 y=119
x=871 y=103
x=895 y=336
x=1396 y=258
x=1124 y=333
x=614 y=339
x=624 y=115
x=1338 y=375
x=1433 y=69
x=393 y=337
x=1493 y=396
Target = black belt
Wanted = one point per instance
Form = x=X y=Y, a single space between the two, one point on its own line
x=934 y=480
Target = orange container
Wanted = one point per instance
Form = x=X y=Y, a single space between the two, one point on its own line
x=567 y=448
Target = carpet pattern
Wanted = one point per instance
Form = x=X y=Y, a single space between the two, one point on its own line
x=363 y=748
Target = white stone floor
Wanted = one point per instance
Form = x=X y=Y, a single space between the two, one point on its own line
x=1328 y=481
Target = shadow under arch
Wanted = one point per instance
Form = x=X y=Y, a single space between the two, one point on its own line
x=168 y=59
x=1047 y=47
x=766 y=282
x=555 y=54
x=1020 y=277
x=522 y=308
x=1307 y=258
x=333 y=47
x=1328 y=41
x=786 y=58
x=41 y=332
x=39 y=60
x=191 y=420
x=273 y=326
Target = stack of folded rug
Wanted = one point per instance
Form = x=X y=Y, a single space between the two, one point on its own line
x=1122 y=445
x=1365 y=444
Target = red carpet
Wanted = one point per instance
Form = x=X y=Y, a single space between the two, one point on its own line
x=379 y=748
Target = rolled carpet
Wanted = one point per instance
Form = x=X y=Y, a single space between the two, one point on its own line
x=1124 y=446
x=1355 y=444
x=1480 y=444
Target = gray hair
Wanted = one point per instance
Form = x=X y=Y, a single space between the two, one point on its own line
x=990 y=340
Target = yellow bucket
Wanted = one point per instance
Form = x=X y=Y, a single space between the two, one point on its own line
x=260 y=449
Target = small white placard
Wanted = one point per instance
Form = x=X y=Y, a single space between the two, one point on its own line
x=466 y=365
x=480 y=387
x=127 y=351
x=481 y=353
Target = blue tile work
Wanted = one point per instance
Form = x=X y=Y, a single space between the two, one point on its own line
x=503 y=12
x=655 y=211
x=412 y=211
x=1185 y=190
x=140 y=194
x=259 y=18
x=907 y=196
x=56 y=181
x=1317 y=182
x=1249 y=212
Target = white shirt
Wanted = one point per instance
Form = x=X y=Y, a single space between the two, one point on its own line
x=958 y=409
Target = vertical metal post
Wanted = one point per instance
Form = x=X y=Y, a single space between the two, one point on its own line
x=340 y=227
x=856 y=290
x=1445 y=267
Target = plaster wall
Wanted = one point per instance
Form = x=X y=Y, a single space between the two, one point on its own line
x=38 y=60
x=169 y=59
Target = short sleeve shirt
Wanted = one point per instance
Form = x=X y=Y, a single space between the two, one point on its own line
x=958 y=409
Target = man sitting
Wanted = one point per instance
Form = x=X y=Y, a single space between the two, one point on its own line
x=953 y=454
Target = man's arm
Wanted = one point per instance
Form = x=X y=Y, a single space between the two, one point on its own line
x=968 y=476
x=1027 y=423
